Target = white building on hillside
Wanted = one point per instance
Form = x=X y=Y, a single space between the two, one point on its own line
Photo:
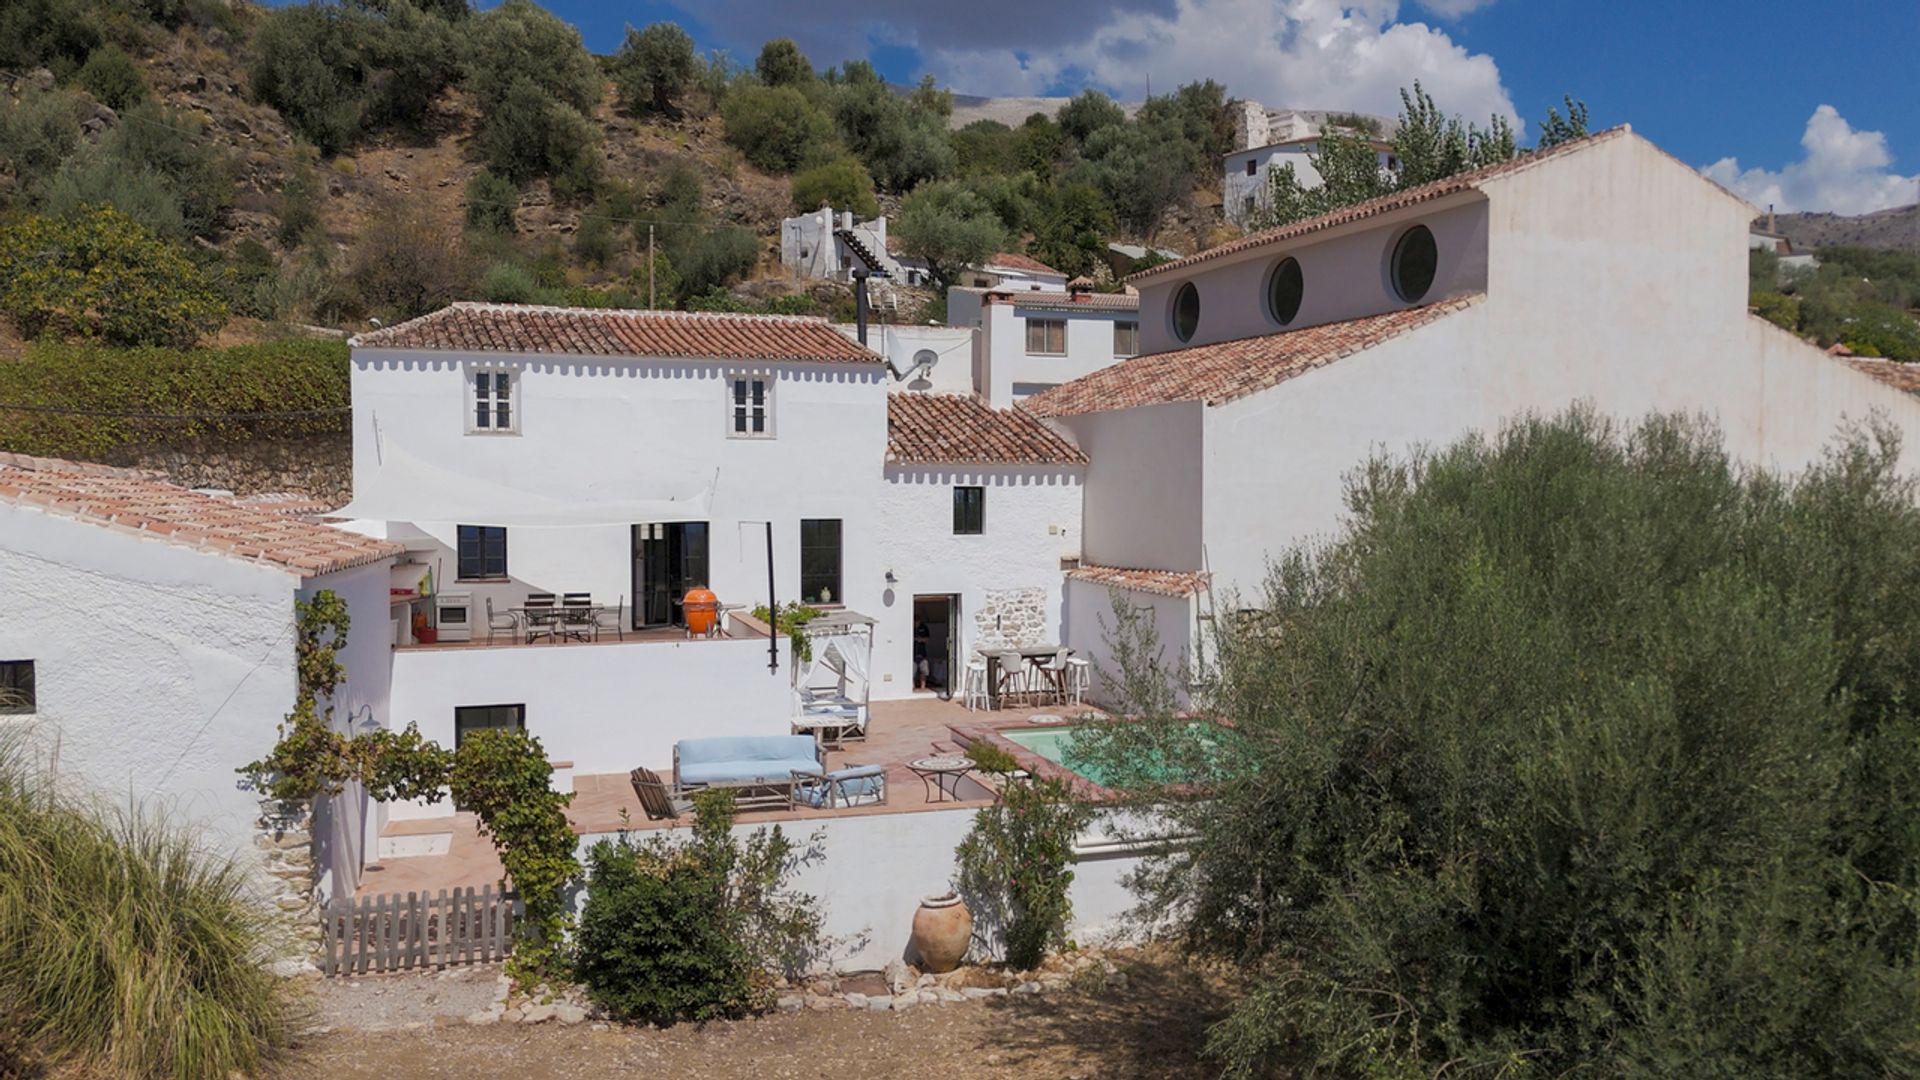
x=147 y=642
x=635 y=456
x=1601 y=271
x=1011 y=270
x=1031 y=339
x=1267 y=141
x=831 y=244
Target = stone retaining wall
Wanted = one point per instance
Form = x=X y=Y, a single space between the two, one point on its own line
x=318 y=466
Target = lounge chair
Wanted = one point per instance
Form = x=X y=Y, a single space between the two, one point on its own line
x=855 y=785
x=655 y=799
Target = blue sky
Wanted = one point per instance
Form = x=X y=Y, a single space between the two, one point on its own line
x=1706 y=80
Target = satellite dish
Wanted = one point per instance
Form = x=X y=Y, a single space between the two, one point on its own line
x=923 y=362
x=925 y=359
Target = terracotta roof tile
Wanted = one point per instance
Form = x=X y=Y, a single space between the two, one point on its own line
x=1054 y=300
x=956 y=429
x=1466 y=181
x=1900 y=376
x=1161 y=582
x=1014 y=261
x=136 y=502
x=525 y=328
x=1229 y=370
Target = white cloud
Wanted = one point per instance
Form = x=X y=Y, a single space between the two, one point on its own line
x=1308 y=54
x=1843 y=171
x=1453 y=9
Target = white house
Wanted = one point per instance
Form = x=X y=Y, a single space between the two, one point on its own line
x=1265 y=142
x=831 y=244
x=1011 y=270
x=1033 y=339
x=634 y=456
x=147 y=641
x=1601 y=271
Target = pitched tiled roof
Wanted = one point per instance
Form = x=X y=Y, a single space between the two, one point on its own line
x=1413 y=196
x=1900 y=376
x=1013 y=261
x=1228 y=370
x=1161 y=582
x=957 y=429
x=1054 y=300
x=527 y=328
x=142 y=504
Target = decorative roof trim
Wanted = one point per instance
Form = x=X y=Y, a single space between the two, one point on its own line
x=533 y=329
x=1157 y=582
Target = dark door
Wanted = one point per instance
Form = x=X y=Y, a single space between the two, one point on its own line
x=668 y=559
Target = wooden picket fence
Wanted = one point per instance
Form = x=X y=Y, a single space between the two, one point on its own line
x=392 y=932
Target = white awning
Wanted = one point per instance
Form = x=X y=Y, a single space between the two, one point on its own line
x=438 y=495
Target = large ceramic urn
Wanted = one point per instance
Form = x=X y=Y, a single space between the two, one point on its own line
x=942 y=929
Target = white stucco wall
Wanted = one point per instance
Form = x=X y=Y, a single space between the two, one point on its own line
x=953 y=347
x=1091 y=622
x=1237 y=186
x=1012 y=373
x=159 y=669
x=870 y=872
x=1032 y=521
x=607 y=708
x=345 y=825
x=1143 y=493
x=619 y=429
x=1345 y=270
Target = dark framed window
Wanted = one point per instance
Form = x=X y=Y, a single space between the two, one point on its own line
x=1186 y=311
x=820 y=560
x=471 y=718
x=1416 y=259
x=493 y=400
x=16 y=688
x=1285 y=289
x=1252 y=166
x=969 y=510
x=1047 y=337
x=1126 y=339
x=483 y=552
x=751 y=408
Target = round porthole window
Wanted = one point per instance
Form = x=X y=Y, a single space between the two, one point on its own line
x=1415 y=259
x=1284 y=289
x=1186 y=311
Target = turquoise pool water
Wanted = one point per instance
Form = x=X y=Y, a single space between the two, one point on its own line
x=1056 y=744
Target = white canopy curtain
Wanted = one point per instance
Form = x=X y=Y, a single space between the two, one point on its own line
x=841 y=644
x=409 y=489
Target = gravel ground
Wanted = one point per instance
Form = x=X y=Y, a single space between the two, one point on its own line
x=1154 y=1027
x=390 y=1002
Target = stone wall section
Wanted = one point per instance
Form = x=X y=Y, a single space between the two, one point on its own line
x=317 y=466
x=1011 y=618
x=283 y=834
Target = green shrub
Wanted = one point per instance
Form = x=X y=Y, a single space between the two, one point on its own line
x=37 y=133
x=781 y=63
x=56 y=34
x=714 y=258
x=298 y=205
x=100 y=274
x=776 y=127
x=173 y=146
x=503 y=776
x=1581 y=749
x=94 y=179
x=295 y=375
x=491 y=201
x=696 y=930
x=126 y=948
x=528 y=134
x=309 y=63
x=508 y=283
x=595 y=242
x=413 y=56
x=113 y=79
x=842 y=183
x=521 y=41
x=249 y=280
x=1015 y=866
x=654 y=67
x=663 y=285
x=407 y=265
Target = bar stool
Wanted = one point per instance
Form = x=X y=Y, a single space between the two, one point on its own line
x=973 y=689
x=1079 y=679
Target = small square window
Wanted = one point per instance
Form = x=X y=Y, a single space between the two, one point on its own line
x=483 y=552
x=493 y=411
x=1126 y=339
x=969 y=511
x=750 y=407
x=16 y=688
x=1047 y=337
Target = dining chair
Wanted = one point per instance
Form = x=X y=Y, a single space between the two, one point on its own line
x=612 y=618
x=496 y=622
x=543 y=619
x=1013 y=677
x=576 y=615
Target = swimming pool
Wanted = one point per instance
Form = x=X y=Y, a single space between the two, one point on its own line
x=1057 y=744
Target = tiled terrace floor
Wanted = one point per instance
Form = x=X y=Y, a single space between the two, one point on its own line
x=899 y=732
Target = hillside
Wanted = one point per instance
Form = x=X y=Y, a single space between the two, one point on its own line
x=1895 y=229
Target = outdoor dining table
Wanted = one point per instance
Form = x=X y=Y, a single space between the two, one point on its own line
x=1028 y=654
x=941 y=775
x=562 y=620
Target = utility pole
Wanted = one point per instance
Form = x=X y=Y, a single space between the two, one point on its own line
x=650 y=303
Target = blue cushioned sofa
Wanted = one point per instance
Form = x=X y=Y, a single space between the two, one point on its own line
x=746 y=761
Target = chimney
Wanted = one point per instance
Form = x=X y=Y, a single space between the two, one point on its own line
x=1770 y=225
x=1080 y=289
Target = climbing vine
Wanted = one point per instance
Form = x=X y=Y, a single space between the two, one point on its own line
x=502 y=776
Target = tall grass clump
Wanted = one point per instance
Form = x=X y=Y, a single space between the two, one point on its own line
x=1584 y=749
x=125 y=948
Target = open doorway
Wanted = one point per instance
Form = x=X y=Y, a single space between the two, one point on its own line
x=668 y=559
x=936 y=641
